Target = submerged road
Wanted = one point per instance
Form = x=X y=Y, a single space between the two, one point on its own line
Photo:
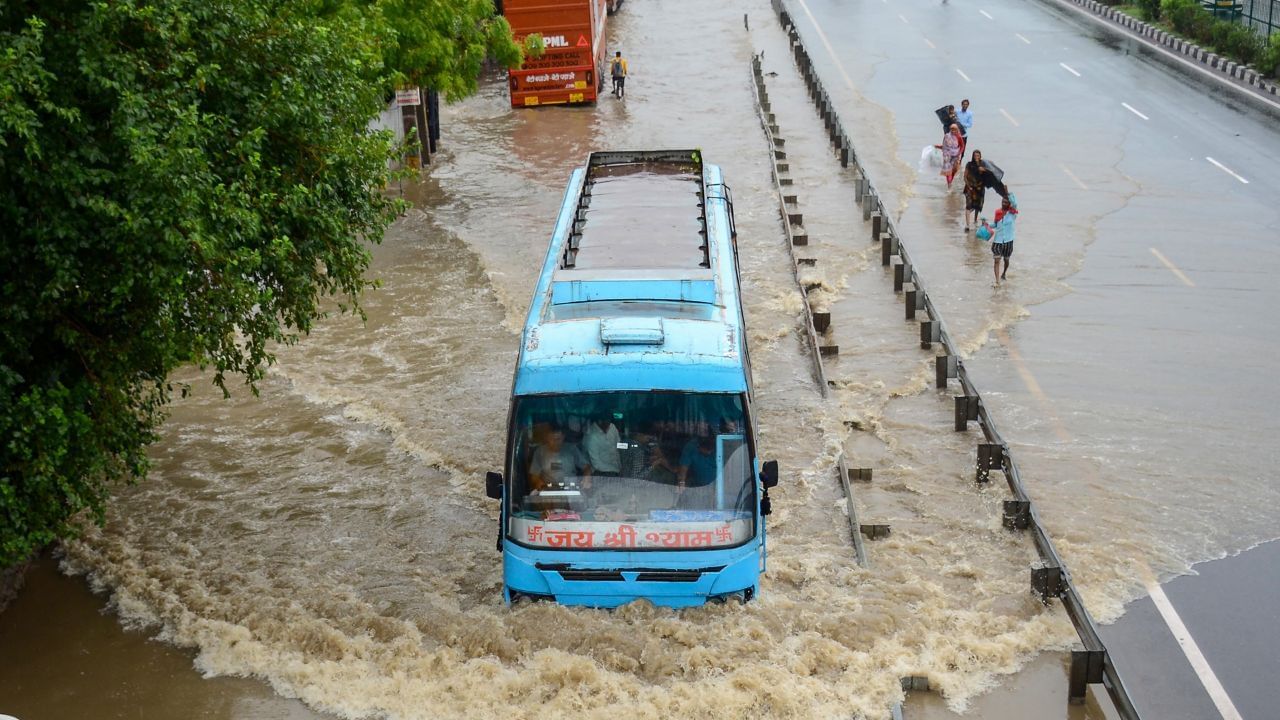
x=1140 y=392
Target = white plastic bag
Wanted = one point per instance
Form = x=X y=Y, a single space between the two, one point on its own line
x=930 y=157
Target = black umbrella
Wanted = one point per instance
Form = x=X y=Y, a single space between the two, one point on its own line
x=945 y=117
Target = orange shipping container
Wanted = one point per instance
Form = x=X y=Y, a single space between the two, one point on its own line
x=570 y=69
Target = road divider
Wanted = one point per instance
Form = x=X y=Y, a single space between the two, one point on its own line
x=1050 y=578
x=817 y=324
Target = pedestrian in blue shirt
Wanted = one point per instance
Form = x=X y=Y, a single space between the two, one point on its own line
x=1002 y=236
x=965 y=116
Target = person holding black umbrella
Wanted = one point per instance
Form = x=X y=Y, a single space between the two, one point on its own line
x=948 y=116
x=979 y=175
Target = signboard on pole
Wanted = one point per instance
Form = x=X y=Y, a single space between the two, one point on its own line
x=410 y=96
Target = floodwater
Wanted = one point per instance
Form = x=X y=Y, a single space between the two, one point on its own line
x=331 y=538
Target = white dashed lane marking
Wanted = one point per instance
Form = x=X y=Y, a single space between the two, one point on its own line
x=1172 y=268
x=1069 y=69
x=961 y=73
x=1227 y=170
x=1072 y=175
x=1131 y=109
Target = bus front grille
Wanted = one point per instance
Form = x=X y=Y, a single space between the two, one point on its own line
x=669 y=576
x=592 y=575
x=615 y=575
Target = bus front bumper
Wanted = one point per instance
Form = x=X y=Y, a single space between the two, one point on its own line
x=684 y=579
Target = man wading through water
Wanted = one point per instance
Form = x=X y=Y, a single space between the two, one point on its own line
x=618 y=69
x=1002 y=235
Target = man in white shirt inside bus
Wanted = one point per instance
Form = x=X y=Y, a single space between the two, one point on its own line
x=600 y=443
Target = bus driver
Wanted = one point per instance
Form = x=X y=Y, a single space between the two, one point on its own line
x=555 y=464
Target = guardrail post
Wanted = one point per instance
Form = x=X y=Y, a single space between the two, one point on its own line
x=930 y=333
x=1086 y=668
x=859 y=189
x=876 y=223
x=867 y=204
x=944 y=366
x=821 y=321
x=990 y=457
x=860 y=474
x=1017 y=514
x=966 y=410
x=888 y=248
x=911 y=296
x=875 y=532
x=901 y=272
x=1047 y=581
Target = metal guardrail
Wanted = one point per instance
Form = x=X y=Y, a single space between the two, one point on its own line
x=792 y=219
x=789 y=207
x=1050 y=577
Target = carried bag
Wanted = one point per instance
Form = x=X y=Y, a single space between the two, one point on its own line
x=984 y=231
x=930 y=157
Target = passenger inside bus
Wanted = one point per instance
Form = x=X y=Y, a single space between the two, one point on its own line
x=556 y=465
x=634 y=450
x=600 y=443
x=696 y=474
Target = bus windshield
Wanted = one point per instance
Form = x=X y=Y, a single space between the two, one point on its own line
x=624 y=470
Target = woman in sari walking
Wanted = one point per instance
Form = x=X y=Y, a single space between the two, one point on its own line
x=977 y=178
x=952 y=148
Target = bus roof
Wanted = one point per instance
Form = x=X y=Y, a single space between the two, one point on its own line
x=639 y=287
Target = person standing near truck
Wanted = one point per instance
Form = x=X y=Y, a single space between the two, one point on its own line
x=618 y=69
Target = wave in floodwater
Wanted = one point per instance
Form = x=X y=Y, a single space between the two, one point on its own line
x=331 y=537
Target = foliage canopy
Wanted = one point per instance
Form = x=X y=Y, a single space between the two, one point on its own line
x=184 y=181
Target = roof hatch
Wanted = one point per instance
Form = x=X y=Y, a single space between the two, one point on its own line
x=632 y=331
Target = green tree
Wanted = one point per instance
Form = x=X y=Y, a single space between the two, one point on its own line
x=442 y=44
x=184 y=181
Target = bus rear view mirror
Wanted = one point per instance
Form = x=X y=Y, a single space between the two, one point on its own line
x=493 y=485
x=769 y=473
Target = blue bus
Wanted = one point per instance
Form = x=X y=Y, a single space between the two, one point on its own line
x=631 y=469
